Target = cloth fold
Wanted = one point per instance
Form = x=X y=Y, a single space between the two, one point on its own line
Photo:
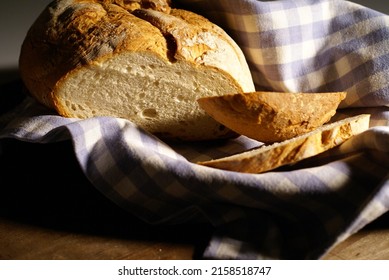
x=309 y=45
x=294 y=212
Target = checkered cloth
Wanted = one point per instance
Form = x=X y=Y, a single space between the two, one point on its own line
x=294 y=212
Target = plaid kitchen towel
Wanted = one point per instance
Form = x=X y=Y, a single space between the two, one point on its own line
x=294 y=212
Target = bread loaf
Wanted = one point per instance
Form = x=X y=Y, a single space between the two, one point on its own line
x=139 y=60
x=269 y=157
x=272 y=116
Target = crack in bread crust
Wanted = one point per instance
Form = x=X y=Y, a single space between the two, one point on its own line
x=74 y=37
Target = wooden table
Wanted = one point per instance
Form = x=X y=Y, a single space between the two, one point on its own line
x=25 y=241
x=47 y=212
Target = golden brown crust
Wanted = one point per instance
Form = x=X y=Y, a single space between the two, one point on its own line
x=180 y=34
x=73 y=33
x=70 y=34
x=272 y=116
x=132 y=5
x=291 y=151
x=77 y=49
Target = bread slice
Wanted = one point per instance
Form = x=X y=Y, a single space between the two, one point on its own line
x=290 y=151
x=87 y=58
x=272 y=116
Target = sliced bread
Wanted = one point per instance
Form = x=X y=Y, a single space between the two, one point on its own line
x=139 y=60
x=290 y=151
x=272 y=116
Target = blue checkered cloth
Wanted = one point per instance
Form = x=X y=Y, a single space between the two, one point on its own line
x=296 y=212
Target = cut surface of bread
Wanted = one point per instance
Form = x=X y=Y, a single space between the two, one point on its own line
x=139 y=60
x=159 y=101
x=272 y=116
x=290 y=151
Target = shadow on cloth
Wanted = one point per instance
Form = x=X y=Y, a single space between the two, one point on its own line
x=42 y=185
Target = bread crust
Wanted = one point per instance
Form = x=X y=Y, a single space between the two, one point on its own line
x=73 y=35
x=272 y=116
x=269 y=157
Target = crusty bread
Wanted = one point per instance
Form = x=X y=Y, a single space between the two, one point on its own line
x=290 y=151
x=272 y=116
x=139 y=60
